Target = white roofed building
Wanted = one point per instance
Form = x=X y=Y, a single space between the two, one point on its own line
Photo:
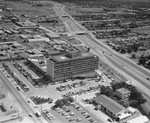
x=140 y=119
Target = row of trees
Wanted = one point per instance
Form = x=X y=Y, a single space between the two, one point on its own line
x=64 y=101
x=40 y=100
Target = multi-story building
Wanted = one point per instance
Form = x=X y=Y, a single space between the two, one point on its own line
x=62 y=67
x=123 y=93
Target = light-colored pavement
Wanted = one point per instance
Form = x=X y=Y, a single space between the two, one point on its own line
x=22 y=102
x=111 y=57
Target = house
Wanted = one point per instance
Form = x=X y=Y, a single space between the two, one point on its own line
x=112 y=108
x=122 y=93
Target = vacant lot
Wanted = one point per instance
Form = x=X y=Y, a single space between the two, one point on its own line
x=74 y=10
x=27 y=9
x=144 y=29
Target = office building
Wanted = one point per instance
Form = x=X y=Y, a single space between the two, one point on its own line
x=62 y=67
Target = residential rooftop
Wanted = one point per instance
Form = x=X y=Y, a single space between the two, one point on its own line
x=111 y=105
x=122 y=90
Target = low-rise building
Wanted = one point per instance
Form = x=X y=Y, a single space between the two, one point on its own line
x=26 y=24
x=140 y=119
x=122 y=93
x=52 y=35
x=112 y=108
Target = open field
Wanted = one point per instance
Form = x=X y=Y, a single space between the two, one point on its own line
x=144 y=30
x=80 y=11
x=27 y=9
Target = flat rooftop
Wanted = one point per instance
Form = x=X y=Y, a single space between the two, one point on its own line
x=62 y=58
x=52 y=35
x=123 y=91
x=36 y=63
x=26 y=24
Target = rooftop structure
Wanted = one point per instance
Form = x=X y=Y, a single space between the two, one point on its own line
x=26 y=24
x=35 y=62
x=110 y=106
x=62 y=67
x=123 y=93
x=3 y=6
x=63 y=58
x=38 y=39
x=140 y=119
x=52 y=35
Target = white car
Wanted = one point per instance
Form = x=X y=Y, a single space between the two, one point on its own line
x=67 y=117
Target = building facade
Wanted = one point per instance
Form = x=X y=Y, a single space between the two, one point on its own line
x=61 y=67
x=123 y=93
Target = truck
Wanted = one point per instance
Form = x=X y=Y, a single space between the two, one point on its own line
x=37 y=114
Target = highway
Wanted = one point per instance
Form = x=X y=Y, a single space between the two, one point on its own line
x=71 y=25
x=22 y=102
x=107 y=54
x=128 y=67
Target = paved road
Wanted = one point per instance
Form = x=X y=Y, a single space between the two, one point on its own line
x=127 y=66
x=22 y=102
x=71 y=24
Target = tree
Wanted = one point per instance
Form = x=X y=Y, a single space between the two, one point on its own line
x=108 y=91
x=122 y=50
x=65 y=101
x=134 y=103
x=102 y=88
x=59 y=103
x=126 y=104
x=133 y=56
x=70 y=99
x=118 y=85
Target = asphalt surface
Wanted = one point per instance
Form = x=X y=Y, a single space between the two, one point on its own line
x=106 y=52
x=22 y=102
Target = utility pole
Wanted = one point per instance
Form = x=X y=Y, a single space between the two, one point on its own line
x=41 y=108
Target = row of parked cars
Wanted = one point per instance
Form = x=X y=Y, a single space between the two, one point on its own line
x=19 y=82
x=47 y=115
x=27 y=75
x=65 y=111
x=84 y=113
x=71 y=86
x=82 y=91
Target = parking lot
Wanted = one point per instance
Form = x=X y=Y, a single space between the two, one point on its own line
x=52 y=88
x=53 y=93
x=73 y=113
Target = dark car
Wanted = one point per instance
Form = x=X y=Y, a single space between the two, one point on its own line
x=87 y=116
x=18 y=88
x=30 y=115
